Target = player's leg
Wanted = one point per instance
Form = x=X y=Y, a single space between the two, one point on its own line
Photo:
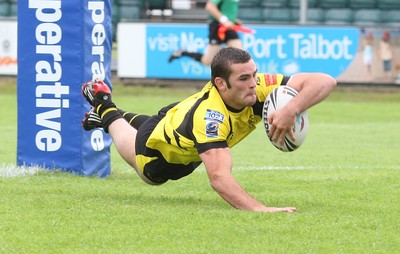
x=211 y=51
x=98 y=94
x=214 y=41
x=92 y=120
x=180 y=53
x=235 y=43
x=124 y=139
x=119 y=124
x=135 y=120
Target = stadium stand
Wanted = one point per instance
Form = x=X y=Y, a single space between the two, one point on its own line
x=296 y=3
x=323 y=12
x=8 y=8
x=274 y=3
x=128 y=3
x=251 y=14
x=367 y=17
x=362 y=4
x=388 y=4
x=352 y=12
x=391 y=17
x=194 y=15
x=277 y=15
x=294 y=15
x=4 y=8
x=315 y=15
x=197 y=4
x=157 y=8
x=157 y=4
x=127 y=10
x=327 y=4
x=13 y=8
x=250 y=3
x=338 y=16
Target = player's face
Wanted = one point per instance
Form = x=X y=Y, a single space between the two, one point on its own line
x=242 y=81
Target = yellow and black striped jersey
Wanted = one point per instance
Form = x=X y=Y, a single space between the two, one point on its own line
x=203 y=121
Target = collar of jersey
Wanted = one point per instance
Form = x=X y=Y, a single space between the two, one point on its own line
x=233 y=109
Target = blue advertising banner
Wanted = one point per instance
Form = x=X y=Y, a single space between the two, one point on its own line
x=61 y=44
x=286 y=50
x=162 y=40
x=283 y=49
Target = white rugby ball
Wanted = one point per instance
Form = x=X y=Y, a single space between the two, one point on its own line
x=277 y=99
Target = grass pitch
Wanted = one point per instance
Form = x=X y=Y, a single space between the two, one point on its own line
x=344 y=181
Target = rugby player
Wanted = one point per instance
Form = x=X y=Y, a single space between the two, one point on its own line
x=205 y=126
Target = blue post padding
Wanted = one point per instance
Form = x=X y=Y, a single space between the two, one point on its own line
x=61 y=44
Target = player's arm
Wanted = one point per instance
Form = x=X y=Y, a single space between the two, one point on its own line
x=213 y=10
x=312 y=88
x=218 y=163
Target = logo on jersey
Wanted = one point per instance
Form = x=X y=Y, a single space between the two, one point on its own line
x=212 y=115
x=252 y=122
x=213 y=120
x=212 y=129
x=270 y=79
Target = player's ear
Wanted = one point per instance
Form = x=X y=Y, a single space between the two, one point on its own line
x=220 y=83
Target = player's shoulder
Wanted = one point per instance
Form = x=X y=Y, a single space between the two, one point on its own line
x=214 y=100
x=268 y=79
x=267 y=82
x=211 y=105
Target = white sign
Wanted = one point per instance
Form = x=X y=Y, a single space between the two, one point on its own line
x=8 y=47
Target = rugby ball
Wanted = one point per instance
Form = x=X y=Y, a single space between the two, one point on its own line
x=278 y=99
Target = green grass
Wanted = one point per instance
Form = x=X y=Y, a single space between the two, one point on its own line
x=343 y=180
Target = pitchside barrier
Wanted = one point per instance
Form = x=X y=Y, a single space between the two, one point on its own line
x=8 y=47
x=338 y=50
x=61 y=44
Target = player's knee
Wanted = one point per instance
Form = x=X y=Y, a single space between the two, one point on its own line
x=206 y=60
x=146 y=179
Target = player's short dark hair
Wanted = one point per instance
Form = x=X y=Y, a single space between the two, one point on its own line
x=221 y=64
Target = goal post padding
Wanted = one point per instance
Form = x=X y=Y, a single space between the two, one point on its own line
x=61 y=44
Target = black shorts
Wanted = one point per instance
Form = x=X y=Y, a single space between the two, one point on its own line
x=213 y=38
x=159 y=171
